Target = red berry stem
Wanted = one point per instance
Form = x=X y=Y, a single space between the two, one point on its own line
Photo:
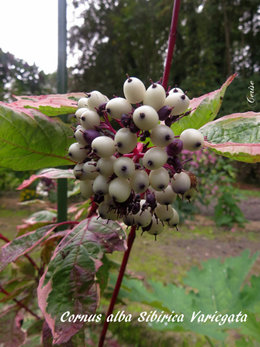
x=19 y=303
x=2 y=237
x=130 y=241
x=171 y=43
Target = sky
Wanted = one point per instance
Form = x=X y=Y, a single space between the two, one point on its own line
x=29 y=30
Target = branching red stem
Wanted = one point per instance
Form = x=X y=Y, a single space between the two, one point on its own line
x=2 y=237
x=171 y=43
x=130 y=241
x=19 y=303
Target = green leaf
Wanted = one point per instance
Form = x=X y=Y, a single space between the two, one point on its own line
x=252 y=327
x=32 y=142
x=235 y=136
x=204 y=109
x=214 y=287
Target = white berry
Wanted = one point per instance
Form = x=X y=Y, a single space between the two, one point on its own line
x=103 y=146
x=192 y=139
x=134 y=90
x=145 y=117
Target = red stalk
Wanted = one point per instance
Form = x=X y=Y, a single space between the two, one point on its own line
x=2 y=237
x=19 y=303
x=171 y=43
x=130 y=241
x=131 y=236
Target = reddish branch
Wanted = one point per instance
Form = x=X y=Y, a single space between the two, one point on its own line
x=19 y=303
x=171 y=42
x=130 y=242
x=2 y=237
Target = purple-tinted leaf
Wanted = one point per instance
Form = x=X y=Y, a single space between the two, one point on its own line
x=11 y=334
x=51 y=173
x=23 y=244
x=69 y=283
x=236 y=136
x=203 y=109
x=36 y=220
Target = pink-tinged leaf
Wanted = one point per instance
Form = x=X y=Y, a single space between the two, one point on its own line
x=11 y=334
x=37 y=220
x=20 y=109
x=69 y=283
x=195 y=102
x=23 y=244
x=236 y=136
x=47 y=337
x=203 y=109
x=50 y=105
x=32 y=143
x=57 y=235
x=51 y=173
x=110 y=242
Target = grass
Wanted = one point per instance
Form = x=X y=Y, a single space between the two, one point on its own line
x=246 y=193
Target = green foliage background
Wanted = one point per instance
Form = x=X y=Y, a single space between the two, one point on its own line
x=214 y=39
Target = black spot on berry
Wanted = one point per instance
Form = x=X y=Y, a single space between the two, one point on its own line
x=167 y=137
x=124 y=168
x=119 y=144
x=150 y=162
x=83 y=118
x=197 y=144
x=183 y=96
x=161 y=186
x=142 y=115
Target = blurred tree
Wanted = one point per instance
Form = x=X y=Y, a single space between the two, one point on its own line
x=18 y=77
x=119 y=37
x=214 y=39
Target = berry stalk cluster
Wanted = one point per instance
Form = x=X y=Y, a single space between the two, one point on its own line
x=127 y=157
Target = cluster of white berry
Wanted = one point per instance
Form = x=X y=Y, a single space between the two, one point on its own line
x=134 y=173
